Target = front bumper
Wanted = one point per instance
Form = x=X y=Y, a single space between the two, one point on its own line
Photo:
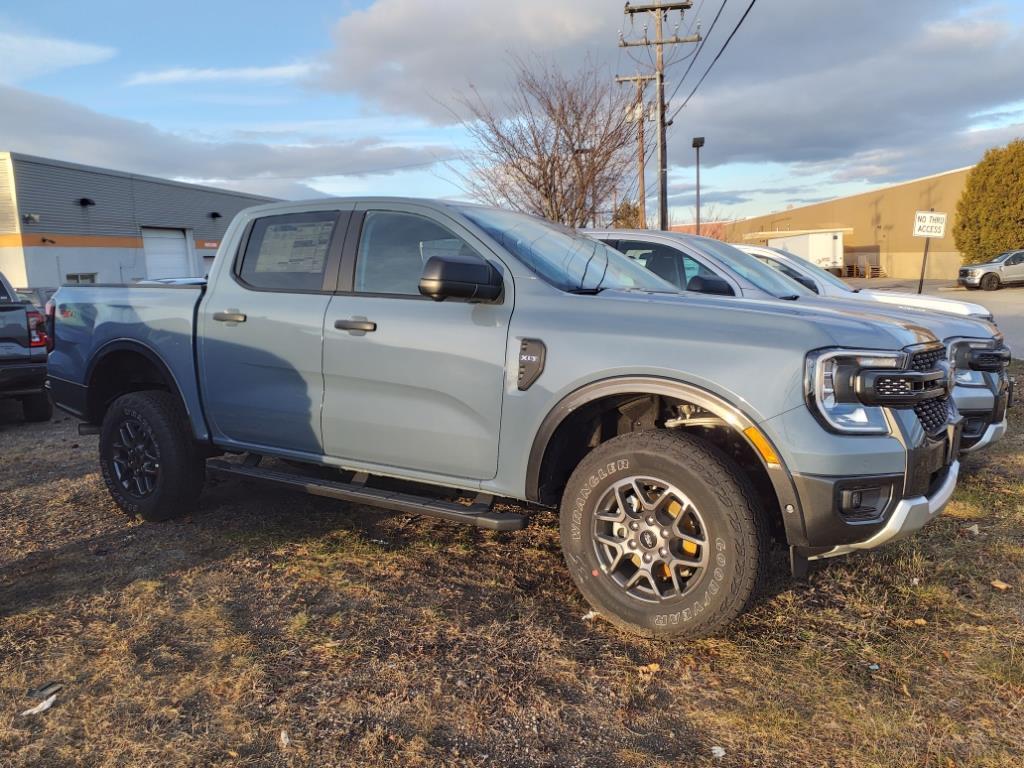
x=992 y=434
x=891 y=478
x=985 y=414
x=969 y=280
x=908 y=516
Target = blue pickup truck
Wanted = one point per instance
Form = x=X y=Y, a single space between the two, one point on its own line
x=406 y=345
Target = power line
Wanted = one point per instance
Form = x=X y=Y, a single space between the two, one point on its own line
x=715 y=60
x=700 y=48
x=660 y=9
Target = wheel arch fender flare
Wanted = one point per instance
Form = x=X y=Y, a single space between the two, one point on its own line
x=151 y=355
x=779 y=474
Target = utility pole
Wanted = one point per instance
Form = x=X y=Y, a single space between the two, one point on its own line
x=638 y=112
x=660 y=10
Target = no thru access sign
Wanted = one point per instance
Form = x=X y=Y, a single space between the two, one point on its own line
x=929 y=224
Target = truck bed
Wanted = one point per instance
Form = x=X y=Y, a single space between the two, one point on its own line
x=93 y=321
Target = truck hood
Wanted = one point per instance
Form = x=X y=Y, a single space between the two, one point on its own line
x=830 y=325
x=944 y=326
x=935 y=303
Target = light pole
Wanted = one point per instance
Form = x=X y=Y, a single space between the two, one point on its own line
x=698 y=142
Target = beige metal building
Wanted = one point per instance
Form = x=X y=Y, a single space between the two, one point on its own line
x=68 y=223
x=877 y=226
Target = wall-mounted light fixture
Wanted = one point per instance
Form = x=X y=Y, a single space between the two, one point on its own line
x=215 y=215
x=48 y=241
x=85 y=202
x=30 y=218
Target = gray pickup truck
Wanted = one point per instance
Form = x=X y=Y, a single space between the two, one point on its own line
x=410 y=345
x=23 y=348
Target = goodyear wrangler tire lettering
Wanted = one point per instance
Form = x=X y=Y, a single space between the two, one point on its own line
x=663 y=534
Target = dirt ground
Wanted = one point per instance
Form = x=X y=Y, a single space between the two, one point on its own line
x=271 y=629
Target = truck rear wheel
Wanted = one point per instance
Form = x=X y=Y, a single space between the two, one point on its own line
x=37 y=407
x=148 y=458
x=663 y=534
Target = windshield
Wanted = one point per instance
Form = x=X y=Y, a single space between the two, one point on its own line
x=820 y=272
x=761 y=275
x=1002 y=257
x=563 y=257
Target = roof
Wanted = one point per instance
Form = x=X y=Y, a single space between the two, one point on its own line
x=16 y=157
x=773 y=233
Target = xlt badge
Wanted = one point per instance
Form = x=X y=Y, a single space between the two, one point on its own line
x=531 y=362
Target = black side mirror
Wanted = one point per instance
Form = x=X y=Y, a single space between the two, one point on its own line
x=710 y=284
x=460 y=277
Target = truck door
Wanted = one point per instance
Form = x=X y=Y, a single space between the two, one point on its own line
x=260 y=332
x=1013 y=270
x=412 y=383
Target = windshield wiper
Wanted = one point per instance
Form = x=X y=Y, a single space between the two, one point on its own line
x=790 y=297
x=587 y=291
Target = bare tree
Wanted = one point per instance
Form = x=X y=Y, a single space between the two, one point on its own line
x=557 y=146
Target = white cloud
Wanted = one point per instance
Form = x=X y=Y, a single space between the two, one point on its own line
x=858 y=85
x=411 y=57
x=213 y=74
x=25 y=56
x=43 y=125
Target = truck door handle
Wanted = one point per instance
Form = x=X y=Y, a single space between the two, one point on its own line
x=229 y=317
x=355 y=325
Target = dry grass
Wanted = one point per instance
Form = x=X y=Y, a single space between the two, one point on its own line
x=388 y=640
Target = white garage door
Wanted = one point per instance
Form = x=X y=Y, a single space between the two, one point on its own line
x=166 y=253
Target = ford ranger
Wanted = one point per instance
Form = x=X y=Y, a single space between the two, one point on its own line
x=409 y=345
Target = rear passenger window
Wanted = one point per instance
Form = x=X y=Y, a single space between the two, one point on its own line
x=288 y=252
x=394 y=248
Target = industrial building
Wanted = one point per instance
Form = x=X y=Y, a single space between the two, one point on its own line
x=68 y=223
x=875 y=229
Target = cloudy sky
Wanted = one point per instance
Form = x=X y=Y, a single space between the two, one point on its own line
x=811 y=99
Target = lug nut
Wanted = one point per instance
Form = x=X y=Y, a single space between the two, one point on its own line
x=634 y=526
x=650 y=520
x=632 y=544
x=664 y=533
x=647 y=558
x=663 y=552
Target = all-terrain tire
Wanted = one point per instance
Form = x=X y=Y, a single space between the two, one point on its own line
x=157 y=421
x=990 y=282
x=730 y=512
x=37 y=407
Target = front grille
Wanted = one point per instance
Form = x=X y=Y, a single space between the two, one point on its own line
x=926 y=360
x=964 y=273
x=933 y=414
x=888 y=386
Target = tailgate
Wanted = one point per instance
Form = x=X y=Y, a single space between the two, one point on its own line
x=14 y=333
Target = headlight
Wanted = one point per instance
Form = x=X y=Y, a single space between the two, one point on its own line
x=971 y=357
x=831 y=387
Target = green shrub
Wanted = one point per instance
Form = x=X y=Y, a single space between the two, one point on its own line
x=990 y=213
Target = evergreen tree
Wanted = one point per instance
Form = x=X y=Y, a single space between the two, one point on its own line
x=990 y=213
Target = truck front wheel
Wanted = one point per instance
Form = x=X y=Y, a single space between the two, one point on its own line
x=663 y=534
x=990 y=282
x=148 y=459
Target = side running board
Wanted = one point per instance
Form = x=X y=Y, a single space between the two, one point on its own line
x=479 y=513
